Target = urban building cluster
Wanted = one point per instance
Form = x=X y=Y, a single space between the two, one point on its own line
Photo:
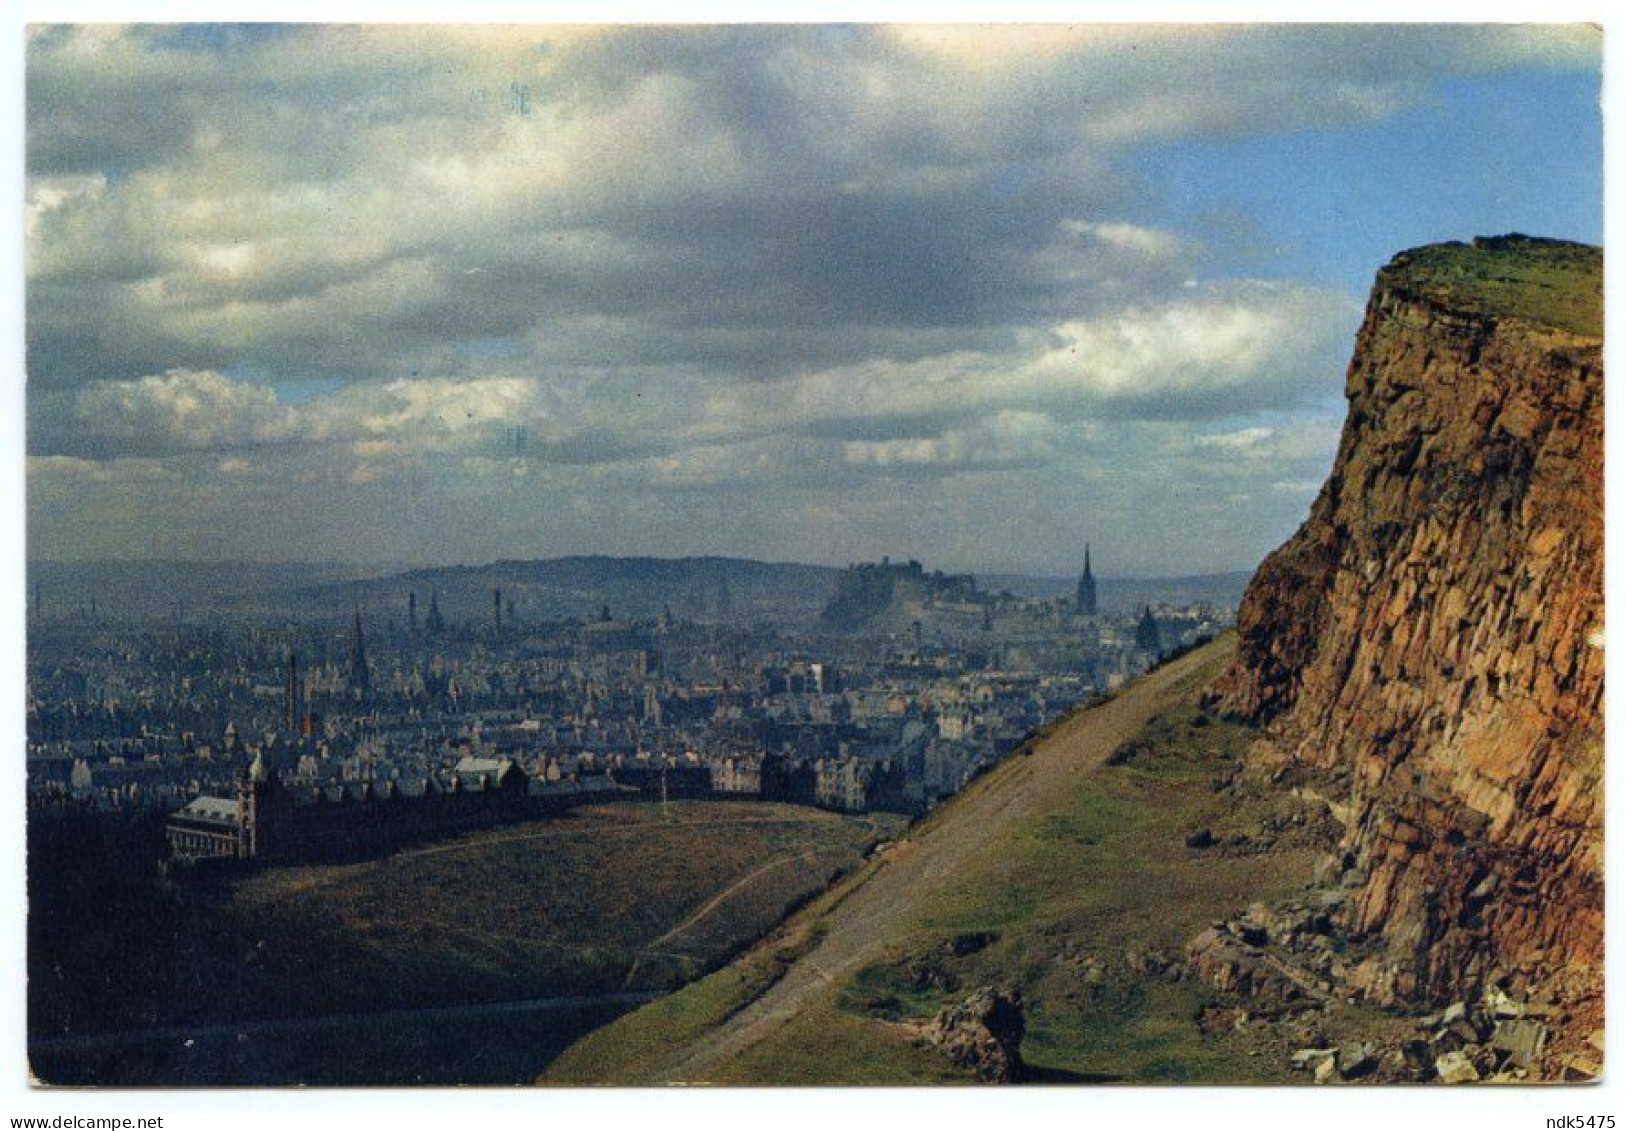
x=275 y=741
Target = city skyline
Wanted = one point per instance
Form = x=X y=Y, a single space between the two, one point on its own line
x=971 y=296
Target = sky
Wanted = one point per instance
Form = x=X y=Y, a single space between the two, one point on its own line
x=822 y=293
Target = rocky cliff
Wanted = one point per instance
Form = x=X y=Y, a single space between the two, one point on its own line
x=1429 y=644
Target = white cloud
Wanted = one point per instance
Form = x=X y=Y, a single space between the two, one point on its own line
x=1009 y=438
x=1151 y=242
x=184 y=409
x=1204 y=351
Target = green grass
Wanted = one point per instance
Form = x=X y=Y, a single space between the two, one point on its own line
x=1102 y=869
x=568 y=911
x=1106 y=870
x=620 y=1054
x=1547 y=282
x=572 y=906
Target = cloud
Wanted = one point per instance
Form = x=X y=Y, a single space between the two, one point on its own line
x=342 y=201
x=1011 y=438
x=1209 y=351
x=182 y=410
x=520 y=274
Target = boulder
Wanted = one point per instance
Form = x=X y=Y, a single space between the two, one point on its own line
x=1148 y=963
x=1501 y=1007
x=983 y=1034
x=1308 y=1060
x=1357 y=1060
x=1577 y=1069
x=1455 y=1068
x=1522 y=1041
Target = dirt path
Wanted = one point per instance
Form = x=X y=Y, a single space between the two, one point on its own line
x=715 y=901
x=886 y=906
x=630 y=829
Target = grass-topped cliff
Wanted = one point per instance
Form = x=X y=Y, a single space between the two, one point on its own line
x=1546 y=282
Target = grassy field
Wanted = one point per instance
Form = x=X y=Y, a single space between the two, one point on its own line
x=607 y=900
x=1076 y=880
x=491 y=1051
x=1539 y=281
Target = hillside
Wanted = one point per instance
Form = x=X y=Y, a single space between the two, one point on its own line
x=167 y=590
x=1074 y=873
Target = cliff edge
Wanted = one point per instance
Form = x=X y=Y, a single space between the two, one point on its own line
x=1427 y=648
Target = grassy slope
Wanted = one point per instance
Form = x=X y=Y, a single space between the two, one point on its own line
x=1071 y=861
x=577 y=905
x=1541 y=281
x=560 y=906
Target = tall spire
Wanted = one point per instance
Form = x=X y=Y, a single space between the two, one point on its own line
x=1088 y=603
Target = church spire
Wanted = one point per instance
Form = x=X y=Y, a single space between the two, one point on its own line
x=1088 y=602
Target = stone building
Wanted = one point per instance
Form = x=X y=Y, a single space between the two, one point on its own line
x=273 y=822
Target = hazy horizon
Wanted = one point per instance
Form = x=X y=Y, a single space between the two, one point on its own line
x=380 y=569
x=349 y=294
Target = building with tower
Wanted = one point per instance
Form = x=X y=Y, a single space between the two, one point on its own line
x=1147 y=637
x=273 y=821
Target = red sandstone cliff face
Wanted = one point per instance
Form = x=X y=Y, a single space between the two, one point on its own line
x=1431 y=636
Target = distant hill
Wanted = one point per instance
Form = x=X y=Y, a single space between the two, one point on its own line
x=159 y=590
x=706 y=589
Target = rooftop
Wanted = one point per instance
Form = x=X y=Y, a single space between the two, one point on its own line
x=210 y=810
